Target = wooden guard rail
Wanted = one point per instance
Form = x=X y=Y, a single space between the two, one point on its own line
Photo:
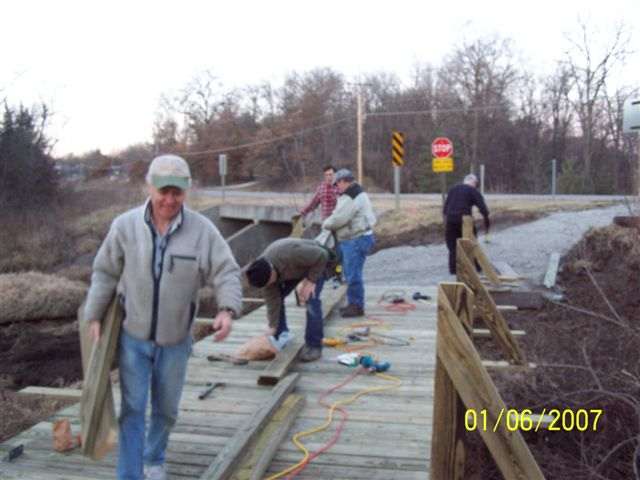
x=477 y=254
x=466 y=251
x=462 y=382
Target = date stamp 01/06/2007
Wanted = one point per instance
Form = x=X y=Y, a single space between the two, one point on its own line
x=525 y=420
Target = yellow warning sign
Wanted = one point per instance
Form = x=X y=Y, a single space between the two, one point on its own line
x=397 y=148
x=441 y=165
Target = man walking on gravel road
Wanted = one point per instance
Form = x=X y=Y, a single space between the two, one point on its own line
x=460 y=200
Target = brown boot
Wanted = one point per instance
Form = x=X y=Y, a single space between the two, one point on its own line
x=351 y=311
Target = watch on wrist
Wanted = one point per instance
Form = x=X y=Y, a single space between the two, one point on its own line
x=230 y=310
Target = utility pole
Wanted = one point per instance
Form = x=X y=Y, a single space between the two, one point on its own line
x=553 y=177
x=631 y=123
x=222 y=166
x=360 y=120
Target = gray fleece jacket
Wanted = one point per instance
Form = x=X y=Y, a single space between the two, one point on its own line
x=353 y=215
x=162 y=309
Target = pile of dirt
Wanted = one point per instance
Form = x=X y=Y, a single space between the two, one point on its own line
x=588 y=353
x=612 y=256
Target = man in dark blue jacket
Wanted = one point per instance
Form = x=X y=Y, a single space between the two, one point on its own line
x=460 y=200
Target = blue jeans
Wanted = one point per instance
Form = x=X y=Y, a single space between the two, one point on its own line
x=354 y=253
x=144 y=364
x=314 y=331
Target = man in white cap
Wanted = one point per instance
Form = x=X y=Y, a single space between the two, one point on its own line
x=460 y=200
x=156 y=257
x=352 y=223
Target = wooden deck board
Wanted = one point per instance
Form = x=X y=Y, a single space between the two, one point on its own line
x=399 y=420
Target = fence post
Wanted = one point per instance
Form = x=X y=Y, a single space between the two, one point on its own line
x=447 y=445
x=553 y=178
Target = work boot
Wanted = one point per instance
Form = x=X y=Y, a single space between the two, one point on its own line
x=347 y=308
x=310 y=354
x=351 y=311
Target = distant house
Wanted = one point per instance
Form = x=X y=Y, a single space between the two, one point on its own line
x=70 y=172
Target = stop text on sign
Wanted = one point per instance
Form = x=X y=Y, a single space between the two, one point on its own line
x=442 y=147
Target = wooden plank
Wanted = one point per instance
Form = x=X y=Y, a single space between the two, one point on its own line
x=485 y=305
x=478 y=253
x=464 y=300
x=486 y=266
x=543 y=420
x=97 y=411
x=474 y=385
x=263 y=449
x=252 y=300
x=506 y=272
x=447 y=436
x=297 y=226
x=552 y=270
x=280 y=365
x=228 y=458
x=504 y=364
x=485 y=333
x=522 y=299
x=467 y=227
x=50 y=392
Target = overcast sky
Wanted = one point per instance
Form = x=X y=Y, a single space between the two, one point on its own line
x=102 y=66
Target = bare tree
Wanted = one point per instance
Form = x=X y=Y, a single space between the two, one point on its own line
x=614 y=105
x=558 y=110
x=480 y=74
x=589 y=68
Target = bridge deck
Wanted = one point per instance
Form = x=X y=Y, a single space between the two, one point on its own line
x=387 y=435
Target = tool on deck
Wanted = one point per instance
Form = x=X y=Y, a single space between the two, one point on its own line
x=223 y=357
x=419 y=296
x=14 y=453
x=368 y=362
x=209 y=389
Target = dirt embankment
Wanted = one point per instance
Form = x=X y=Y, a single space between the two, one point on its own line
x=588 y=353
x=432 y=233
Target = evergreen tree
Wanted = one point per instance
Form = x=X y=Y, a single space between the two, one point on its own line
x=27 y=175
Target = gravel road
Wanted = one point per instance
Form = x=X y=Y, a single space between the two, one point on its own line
x=525 y=247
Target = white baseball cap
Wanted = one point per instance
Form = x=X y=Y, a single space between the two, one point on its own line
x=169 y=171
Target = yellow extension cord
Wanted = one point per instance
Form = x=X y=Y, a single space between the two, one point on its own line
x=396 y=383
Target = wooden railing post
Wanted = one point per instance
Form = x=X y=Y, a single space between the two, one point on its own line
x=477 y=254
x=465 y=378
x=467 y=227
x=486 y=307
x=447 y=445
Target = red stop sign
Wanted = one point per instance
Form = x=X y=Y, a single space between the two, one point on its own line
x=442 y=147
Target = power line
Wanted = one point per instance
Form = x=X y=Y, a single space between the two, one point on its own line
x=265 y=142
x=434 y=110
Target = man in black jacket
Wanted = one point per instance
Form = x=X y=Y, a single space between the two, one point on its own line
x=460 y=200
